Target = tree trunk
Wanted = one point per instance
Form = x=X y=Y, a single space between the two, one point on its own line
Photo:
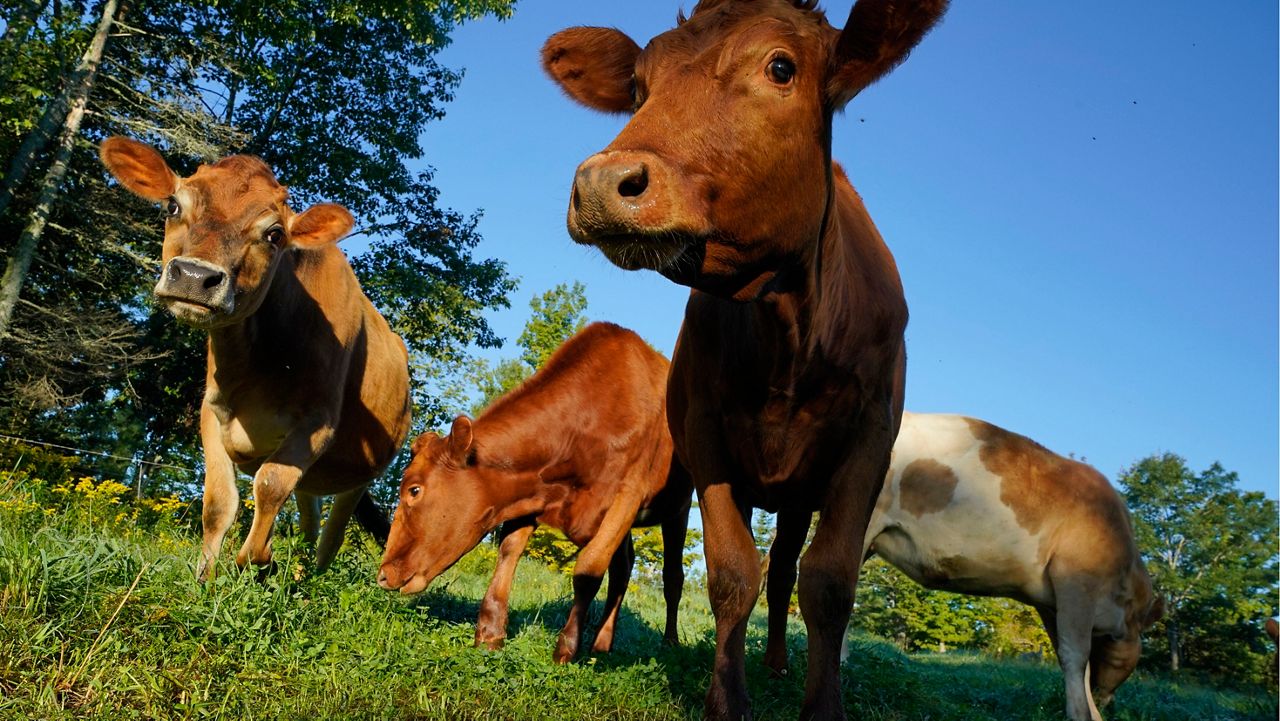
x=57 y=113
x=15 y=272
x=1175 y=657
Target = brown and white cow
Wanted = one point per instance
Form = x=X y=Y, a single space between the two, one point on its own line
x=972 y=508
x=582 y=446
x=786 y=384
x=307 y=386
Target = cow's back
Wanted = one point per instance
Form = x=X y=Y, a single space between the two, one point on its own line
x=598 y=402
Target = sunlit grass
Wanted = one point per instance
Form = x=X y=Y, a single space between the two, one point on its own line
x=101 y=618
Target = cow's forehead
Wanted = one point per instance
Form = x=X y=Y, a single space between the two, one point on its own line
x=718 y=26
x=237 y=184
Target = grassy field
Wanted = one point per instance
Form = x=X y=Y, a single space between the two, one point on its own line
x=104 y=621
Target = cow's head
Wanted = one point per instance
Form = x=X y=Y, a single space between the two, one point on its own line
x=444 y=510
x=1112 y=660
x=722 y=176
x=226 y=227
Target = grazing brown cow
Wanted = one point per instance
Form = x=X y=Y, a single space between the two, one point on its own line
x=582 y=446
x=787 y=379
x=972 y=508
x=307 y=386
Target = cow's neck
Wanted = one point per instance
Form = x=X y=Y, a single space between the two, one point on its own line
x=269 y=339
x=840 y=296
x=520 y=454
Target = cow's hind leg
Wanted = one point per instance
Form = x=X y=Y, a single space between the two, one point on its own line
x=491 y=627
x=619 y=576
x=793 y=527
x=589 y=568
x=372 y=519
x=308 y=516
x=674 y=530
x=335 y=526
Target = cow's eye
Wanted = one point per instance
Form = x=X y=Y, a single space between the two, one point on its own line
x=781 y=70
x=415 y=491
x=274 y=235
x=172 y=208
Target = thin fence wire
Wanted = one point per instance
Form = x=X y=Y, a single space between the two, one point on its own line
x=85 y=451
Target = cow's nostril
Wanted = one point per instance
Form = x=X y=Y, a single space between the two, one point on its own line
x=175 y=273
x=213 y=280
x=634 y=182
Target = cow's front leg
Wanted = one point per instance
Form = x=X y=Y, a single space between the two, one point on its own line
x=733 y=584
x=589 y=568
x=491 y=627
x=793 y=527
x=221 y=497
x=829 y=569
x=1075 y=635
x=276 y=479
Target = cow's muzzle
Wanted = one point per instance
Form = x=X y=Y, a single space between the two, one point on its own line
x=194 y=290
x=633 y=207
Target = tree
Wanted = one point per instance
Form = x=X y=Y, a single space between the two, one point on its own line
x=334 y=95
x=1211 y=552
x=555 y=316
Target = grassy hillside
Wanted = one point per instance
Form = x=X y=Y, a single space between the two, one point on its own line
x=100 y=618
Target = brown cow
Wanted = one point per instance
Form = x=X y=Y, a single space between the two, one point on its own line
x=971 y=508
x=582 y=446
x=786 y=384
x=307 y=386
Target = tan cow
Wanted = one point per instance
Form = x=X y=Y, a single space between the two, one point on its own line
x=972 y=508
x=307 y=386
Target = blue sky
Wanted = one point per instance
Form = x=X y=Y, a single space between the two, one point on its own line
x=1082 y=199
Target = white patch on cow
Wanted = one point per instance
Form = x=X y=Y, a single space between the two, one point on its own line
x=975 y=544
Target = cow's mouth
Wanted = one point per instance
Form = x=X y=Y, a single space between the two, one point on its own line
x=638 y=252
x=190 y=311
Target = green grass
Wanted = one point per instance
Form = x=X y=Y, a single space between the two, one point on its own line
x=96 y=625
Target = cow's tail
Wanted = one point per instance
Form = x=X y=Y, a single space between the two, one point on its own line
x=372 y=519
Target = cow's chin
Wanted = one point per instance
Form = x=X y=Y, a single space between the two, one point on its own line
x=643 y=253
x=416 y=584
x=195 y=314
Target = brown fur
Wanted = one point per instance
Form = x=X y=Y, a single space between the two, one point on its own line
x=1040 y=482
x=582 y=446
x=307 y=386
x=927 y=487
x=722 y=181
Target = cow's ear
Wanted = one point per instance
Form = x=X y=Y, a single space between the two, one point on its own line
x=421 y=442
x=320 y=225
x=461 y=439
x=878 y=36
x=1155 y=612
x=594 y=66
x=138 y=167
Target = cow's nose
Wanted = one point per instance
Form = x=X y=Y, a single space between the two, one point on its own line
x=382 y=579
x=603 y=184
x=185 y=272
